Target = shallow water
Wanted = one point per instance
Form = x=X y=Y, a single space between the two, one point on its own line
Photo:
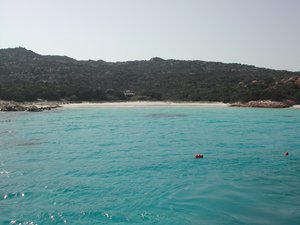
x=137 y=166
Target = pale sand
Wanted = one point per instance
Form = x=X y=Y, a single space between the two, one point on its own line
x=143 y=104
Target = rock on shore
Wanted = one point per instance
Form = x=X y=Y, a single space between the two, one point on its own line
x=264 y=104
x=30 y=107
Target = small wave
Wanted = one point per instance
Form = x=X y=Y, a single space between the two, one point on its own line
x=4 y=172
x=22 y=222
x=5 y=121
x=59 y=218
x=107 y=215
x=13 y=195
x=28 y=143
x=288 y=116
x=6 y=132
x=166 y=115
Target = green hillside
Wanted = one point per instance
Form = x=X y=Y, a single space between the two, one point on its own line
x=27 y=76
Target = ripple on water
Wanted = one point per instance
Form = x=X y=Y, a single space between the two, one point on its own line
x=137 y=166
x=13 y=195
x=6 y=133
x=167 y=115
x=28 y=143
x=4 y=172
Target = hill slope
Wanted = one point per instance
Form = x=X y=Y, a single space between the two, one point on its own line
x=27 y=76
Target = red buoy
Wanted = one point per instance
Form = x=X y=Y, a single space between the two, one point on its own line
x=197 y=156
x=286 y=153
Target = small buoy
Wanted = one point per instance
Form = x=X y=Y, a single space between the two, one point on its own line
x=197 y=156
x=286 y=153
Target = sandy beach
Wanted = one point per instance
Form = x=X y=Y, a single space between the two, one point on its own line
x=144 y=104
x=42 y=106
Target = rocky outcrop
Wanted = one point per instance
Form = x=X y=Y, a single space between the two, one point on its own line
x=11 y=106
x=264 y=104
x=30 y=107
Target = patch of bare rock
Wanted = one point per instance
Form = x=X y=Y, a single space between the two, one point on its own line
x=264 y=104
x=30 y=107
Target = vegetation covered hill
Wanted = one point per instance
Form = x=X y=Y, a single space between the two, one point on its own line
x=27 y=76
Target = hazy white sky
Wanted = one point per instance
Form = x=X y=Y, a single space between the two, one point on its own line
x=265 y=33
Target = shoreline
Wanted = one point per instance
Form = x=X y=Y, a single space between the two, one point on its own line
x=143 y=104
x=43 y=106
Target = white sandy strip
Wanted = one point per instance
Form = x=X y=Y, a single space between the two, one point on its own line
x=143 y=104
x=296 y=106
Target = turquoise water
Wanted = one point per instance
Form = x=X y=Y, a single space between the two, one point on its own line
x=137 y=166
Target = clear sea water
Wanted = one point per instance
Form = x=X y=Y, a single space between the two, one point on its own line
x=137 y=166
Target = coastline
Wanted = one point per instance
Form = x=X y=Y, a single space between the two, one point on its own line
x=168 y=104
x=12 y=106
x=144 y=104
x=265 y=104
x=44 y=106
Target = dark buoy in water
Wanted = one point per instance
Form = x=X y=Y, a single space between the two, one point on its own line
x=197 y=156
x=286 y=153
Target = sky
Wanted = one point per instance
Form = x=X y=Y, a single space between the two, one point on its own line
x=264 y=33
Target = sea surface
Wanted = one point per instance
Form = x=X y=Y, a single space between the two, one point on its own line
x=137 y=166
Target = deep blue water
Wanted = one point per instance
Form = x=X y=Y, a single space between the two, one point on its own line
x=137 y=166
